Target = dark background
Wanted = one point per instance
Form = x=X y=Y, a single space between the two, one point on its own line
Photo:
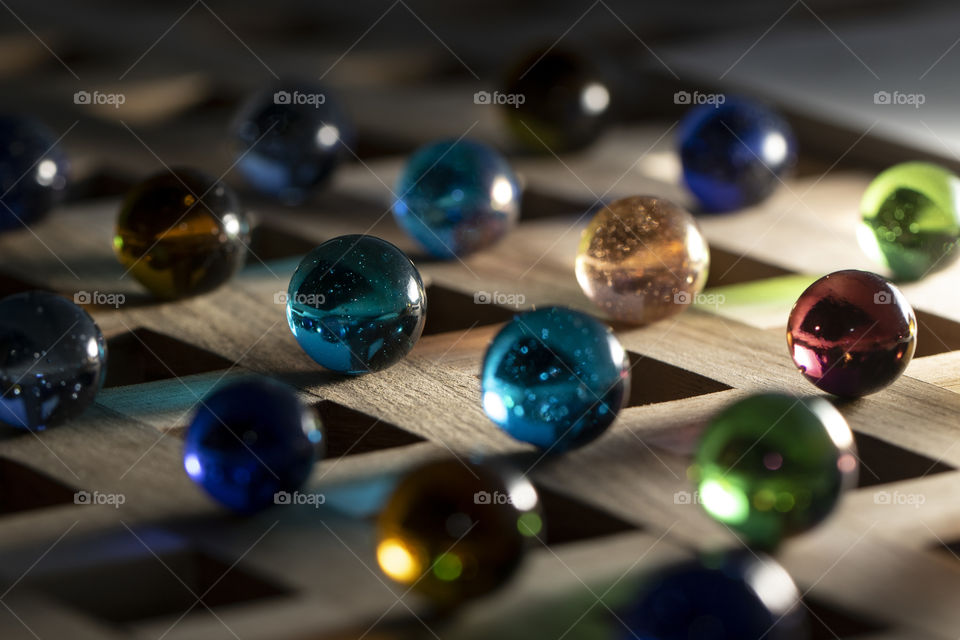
x=406 y=70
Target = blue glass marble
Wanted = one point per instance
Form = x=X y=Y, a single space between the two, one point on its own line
x=289 y=140
x=33 y=171
x=555 y=378
x=734 y=154
x=456 y=197
x=356 y=304
x=250 y=440
x=732 y=596
x=52 y=360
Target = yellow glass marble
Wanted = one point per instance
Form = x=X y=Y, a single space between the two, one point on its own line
x=454 y=530
x=181 y=233
x=642 y=259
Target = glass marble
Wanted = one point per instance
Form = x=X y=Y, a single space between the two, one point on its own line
x=454 y=530
x=555 y=378
x=911 y=219
x=734 y=154
x=729 y=596
x=33 y=171
x=773 y=465
x=250 y=440
x=289 y=139
x=456 y=197
x=852 y=333
x=356 y=304
x=53 y=360
x=181 y=233
x=642 y=259
x=559 y=102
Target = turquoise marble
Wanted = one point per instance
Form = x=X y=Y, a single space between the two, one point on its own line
x=356 y=304
x=555 y=378
x=456 y=197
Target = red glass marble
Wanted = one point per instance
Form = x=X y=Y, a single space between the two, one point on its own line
x=852 y=333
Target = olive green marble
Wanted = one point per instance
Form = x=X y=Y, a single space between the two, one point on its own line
x=772 y=465
x=911 y=219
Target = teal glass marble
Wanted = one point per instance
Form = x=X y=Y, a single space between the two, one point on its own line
x=356 y=304
x=251 y=440
x=911 y=219
x=52 y=360
x=772 y=465
x=456 y=197
x=555 y=378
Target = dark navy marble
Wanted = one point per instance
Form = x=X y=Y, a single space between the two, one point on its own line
x=456 y=197
x=250 y=440
x=735 y=153
x=555 y=378
x=52 y=360
x=356 y=304
x=289 y=139
x=33 y=171
x=737 y=596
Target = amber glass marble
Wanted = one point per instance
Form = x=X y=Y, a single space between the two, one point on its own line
x=852 y=333
x=181 y=233
x=454 y=530
x=642 y=259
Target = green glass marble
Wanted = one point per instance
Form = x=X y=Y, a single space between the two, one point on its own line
x=772 y=465
x=911 y=219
